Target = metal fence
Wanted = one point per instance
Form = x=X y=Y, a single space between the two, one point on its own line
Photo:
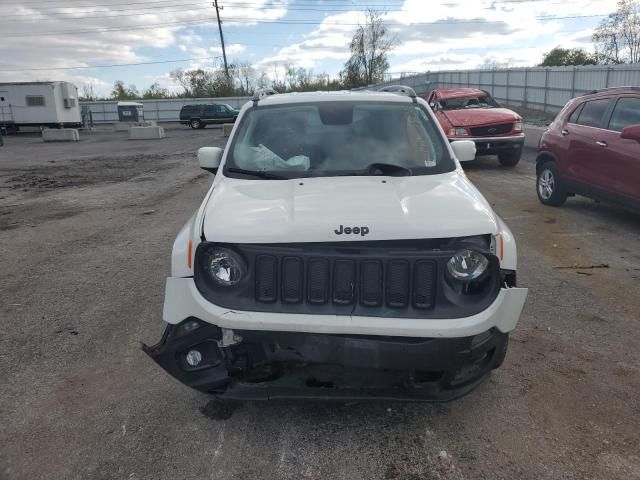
x=539 y=88
x=158 y=110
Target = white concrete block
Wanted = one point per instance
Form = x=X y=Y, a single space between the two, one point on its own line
x=146 y=133
x=60 y=135
x=126 y=126
x=226 y=129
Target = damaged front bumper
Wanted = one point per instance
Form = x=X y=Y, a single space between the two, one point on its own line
x=252 y=364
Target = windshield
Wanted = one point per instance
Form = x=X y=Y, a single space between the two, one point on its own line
x=472 y=101
x=338 y=138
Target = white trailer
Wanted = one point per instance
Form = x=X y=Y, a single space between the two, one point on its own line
x=39 y=104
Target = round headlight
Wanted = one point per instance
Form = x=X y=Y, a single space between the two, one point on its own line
x=226 y=266
x=467 y=265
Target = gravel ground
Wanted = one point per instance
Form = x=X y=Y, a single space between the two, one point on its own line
x=85 y=237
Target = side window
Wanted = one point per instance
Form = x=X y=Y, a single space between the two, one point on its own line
x=625 y=113
x=35 y=100
x=592 y=113
x=210 y=110
x=576 y=113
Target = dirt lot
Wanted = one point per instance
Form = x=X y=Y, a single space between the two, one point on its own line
x=85 y=237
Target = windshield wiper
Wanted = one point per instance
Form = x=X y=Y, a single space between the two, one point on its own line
x=389 y=169
x=257 y=173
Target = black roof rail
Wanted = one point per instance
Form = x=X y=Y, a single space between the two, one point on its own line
x=611 y=89
x=402 y=89
x=260 y=93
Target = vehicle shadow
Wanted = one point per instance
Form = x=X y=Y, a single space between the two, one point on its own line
x=612 y=216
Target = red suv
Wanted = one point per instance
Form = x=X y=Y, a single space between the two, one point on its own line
x=472 y=114
x=592 y=148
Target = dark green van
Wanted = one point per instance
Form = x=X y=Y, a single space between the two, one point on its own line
x=201 y=115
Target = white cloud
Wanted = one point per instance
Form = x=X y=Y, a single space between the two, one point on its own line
x=464 y=34
x=439 y=34
x=78 y=41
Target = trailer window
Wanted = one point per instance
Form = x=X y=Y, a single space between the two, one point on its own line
x=35 y=101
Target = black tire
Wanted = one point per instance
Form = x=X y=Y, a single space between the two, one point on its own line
x=548 y=186
x=510 y=159
x=195 y=123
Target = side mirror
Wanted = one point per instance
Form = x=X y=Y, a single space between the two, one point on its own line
x=433 y=106
x=632 y=132
x=209 y=158
x=464 y=150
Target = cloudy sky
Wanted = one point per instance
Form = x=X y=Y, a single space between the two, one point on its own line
x=141 y=41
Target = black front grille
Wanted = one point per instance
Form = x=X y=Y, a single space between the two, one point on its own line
x=388 y=279
x=292 y=272
x=266 y=279
x=492 y=130
x=344 y=281
x=317 y=281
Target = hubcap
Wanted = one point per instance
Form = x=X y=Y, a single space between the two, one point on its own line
x=546 y=184
x=195 y=123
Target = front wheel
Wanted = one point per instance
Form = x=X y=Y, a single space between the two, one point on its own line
x=548 y=185
x=510 y=159
x=195 y=123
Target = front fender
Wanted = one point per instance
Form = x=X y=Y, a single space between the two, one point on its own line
x=182 y=254
x=506 y=247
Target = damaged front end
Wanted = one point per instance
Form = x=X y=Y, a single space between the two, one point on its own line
x=261 y=365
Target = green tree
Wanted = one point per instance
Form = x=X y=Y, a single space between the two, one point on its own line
x=562 y=57
x=617 y=38
x=369 y=47
x=155 y=91
x=122 y=92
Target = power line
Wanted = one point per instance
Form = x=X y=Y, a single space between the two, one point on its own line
x=84 y=67
x=155 y=12
x=300 y=44
x=150 y=26
x=276 y=22
x=73 y=16
x=244 y=6
x=65 y=4
x=330 y=3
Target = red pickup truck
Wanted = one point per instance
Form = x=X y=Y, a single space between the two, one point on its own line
x=472 y=114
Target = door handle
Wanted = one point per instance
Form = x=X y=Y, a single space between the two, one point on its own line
x=564 y=131
x=601 y=143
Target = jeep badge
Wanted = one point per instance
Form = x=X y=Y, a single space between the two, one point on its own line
x=362 y=231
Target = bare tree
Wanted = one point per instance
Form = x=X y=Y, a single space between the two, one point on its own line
x=617 y=39
x=369 y=47
x=290 y=75
x=88 y=92
x=246 y=77
x=181 y=78
x=263 y=80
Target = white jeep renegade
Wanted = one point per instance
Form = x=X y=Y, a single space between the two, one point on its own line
x=341 y=252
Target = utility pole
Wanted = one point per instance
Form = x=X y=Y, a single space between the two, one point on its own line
x=224 y=53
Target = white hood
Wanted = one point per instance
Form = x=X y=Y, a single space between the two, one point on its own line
x=311 y=209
